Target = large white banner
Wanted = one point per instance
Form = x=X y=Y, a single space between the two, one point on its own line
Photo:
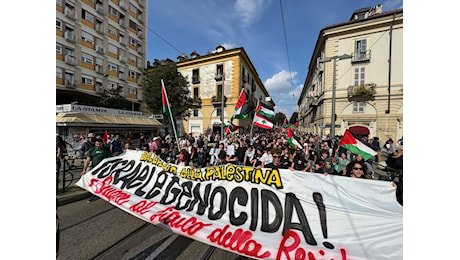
x=259 y=213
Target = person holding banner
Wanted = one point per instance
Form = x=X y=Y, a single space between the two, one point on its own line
x=183 y=158
x=276 y=164
x=328 y=168
x=356 y=169
x=94 y=156
x=299 y=162
x=248 y=156
x=286 y=157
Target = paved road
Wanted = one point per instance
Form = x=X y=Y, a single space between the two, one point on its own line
x=98 y=230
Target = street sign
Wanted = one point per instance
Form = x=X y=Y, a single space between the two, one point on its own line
x=157 y=116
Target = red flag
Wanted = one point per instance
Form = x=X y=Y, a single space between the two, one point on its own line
x=164 y=100
x=105 y=138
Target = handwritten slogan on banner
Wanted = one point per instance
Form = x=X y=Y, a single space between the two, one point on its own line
x=259 y=213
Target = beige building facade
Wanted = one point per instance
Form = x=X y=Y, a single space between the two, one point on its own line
x=100 y=48
x=202 y=73
x=368 y=54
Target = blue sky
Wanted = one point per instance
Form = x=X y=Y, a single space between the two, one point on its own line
x=255 y=25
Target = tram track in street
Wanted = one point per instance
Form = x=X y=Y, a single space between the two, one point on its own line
x=87 y=219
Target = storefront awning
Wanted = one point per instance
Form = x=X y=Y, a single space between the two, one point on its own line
x=84 y=119
x=359 y=130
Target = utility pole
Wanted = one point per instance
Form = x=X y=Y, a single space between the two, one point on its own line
x=327 y=59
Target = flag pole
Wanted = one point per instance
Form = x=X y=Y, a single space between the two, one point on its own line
x=252 y=125
x=231 y=119
x=170 y=114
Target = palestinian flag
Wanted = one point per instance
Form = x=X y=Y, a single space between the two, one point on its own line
x=262 y=122
x=294 y=126
x=353 y=144
x=164 y=99
x=242 y=107
x=265 y=110
x=230 y=128
x=285 y=125
x=292 y=139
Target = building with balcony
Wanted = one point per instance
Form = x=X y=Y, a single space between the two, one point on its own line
x=222 y=72
x=100 y=47
x=368 y=54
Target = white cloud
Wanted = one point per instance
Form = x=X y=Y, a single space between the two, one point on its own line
x=251 y=10
x=389 y=5
x=229 y=45
x=280 y=81
x=296 y=92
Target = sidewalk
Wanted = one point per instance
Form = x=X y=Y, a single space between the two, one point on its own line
x=72 y=192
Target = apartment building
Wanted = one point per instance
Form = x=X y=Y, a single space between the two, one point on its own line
x=100 y=50
x=365 y=55
x=221 y=71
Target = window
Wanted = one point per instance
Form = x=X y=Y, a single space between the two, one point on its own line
x=360 y=74
x=69 y=52
x=196 y=76
x=358 y=107
x=360 y=49
x=132 y=91
x=59 y=2
x=132 y=41
x=219 y=90
x=132 y=74
x=113 y=49
x=196 y=92
x=218 y=112
x=113 y=11
x=132 y=58
x=58 y=49
x=132 y=25
x=219 y=70
x=112 y=85
x=87 y=80
x=113 y=31
x=132 y=8
x=195 y=112
x=99 y=83
x=59 y=25
x=69 y=77
x=87 y=37
x=87 y=16
x=58 y=73
x=112 y=67
x=87 y=58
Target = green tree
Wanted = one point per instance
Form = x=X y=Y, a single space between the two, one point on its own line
x=279 y=118
x=294 y=118
x=112 y=99
x=176 y=88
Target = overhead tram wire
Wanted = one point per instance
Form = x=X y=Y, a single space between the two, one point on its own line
x=163 y=39
x=287 y=50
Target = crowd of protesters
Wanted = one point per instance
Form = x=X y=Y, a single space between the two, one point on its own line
x=317 y=154
x=270 y=150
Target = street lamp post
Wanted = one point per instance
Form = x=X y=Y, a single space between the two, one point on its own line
x=221 y=75
x=327 y=59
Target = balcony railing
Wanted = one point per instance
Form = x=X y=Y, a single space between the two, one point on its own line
x=362 y=93
x=361 y=56
x=217 y=100
x=70 y=13
x=70 y=36
x=196 y=102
